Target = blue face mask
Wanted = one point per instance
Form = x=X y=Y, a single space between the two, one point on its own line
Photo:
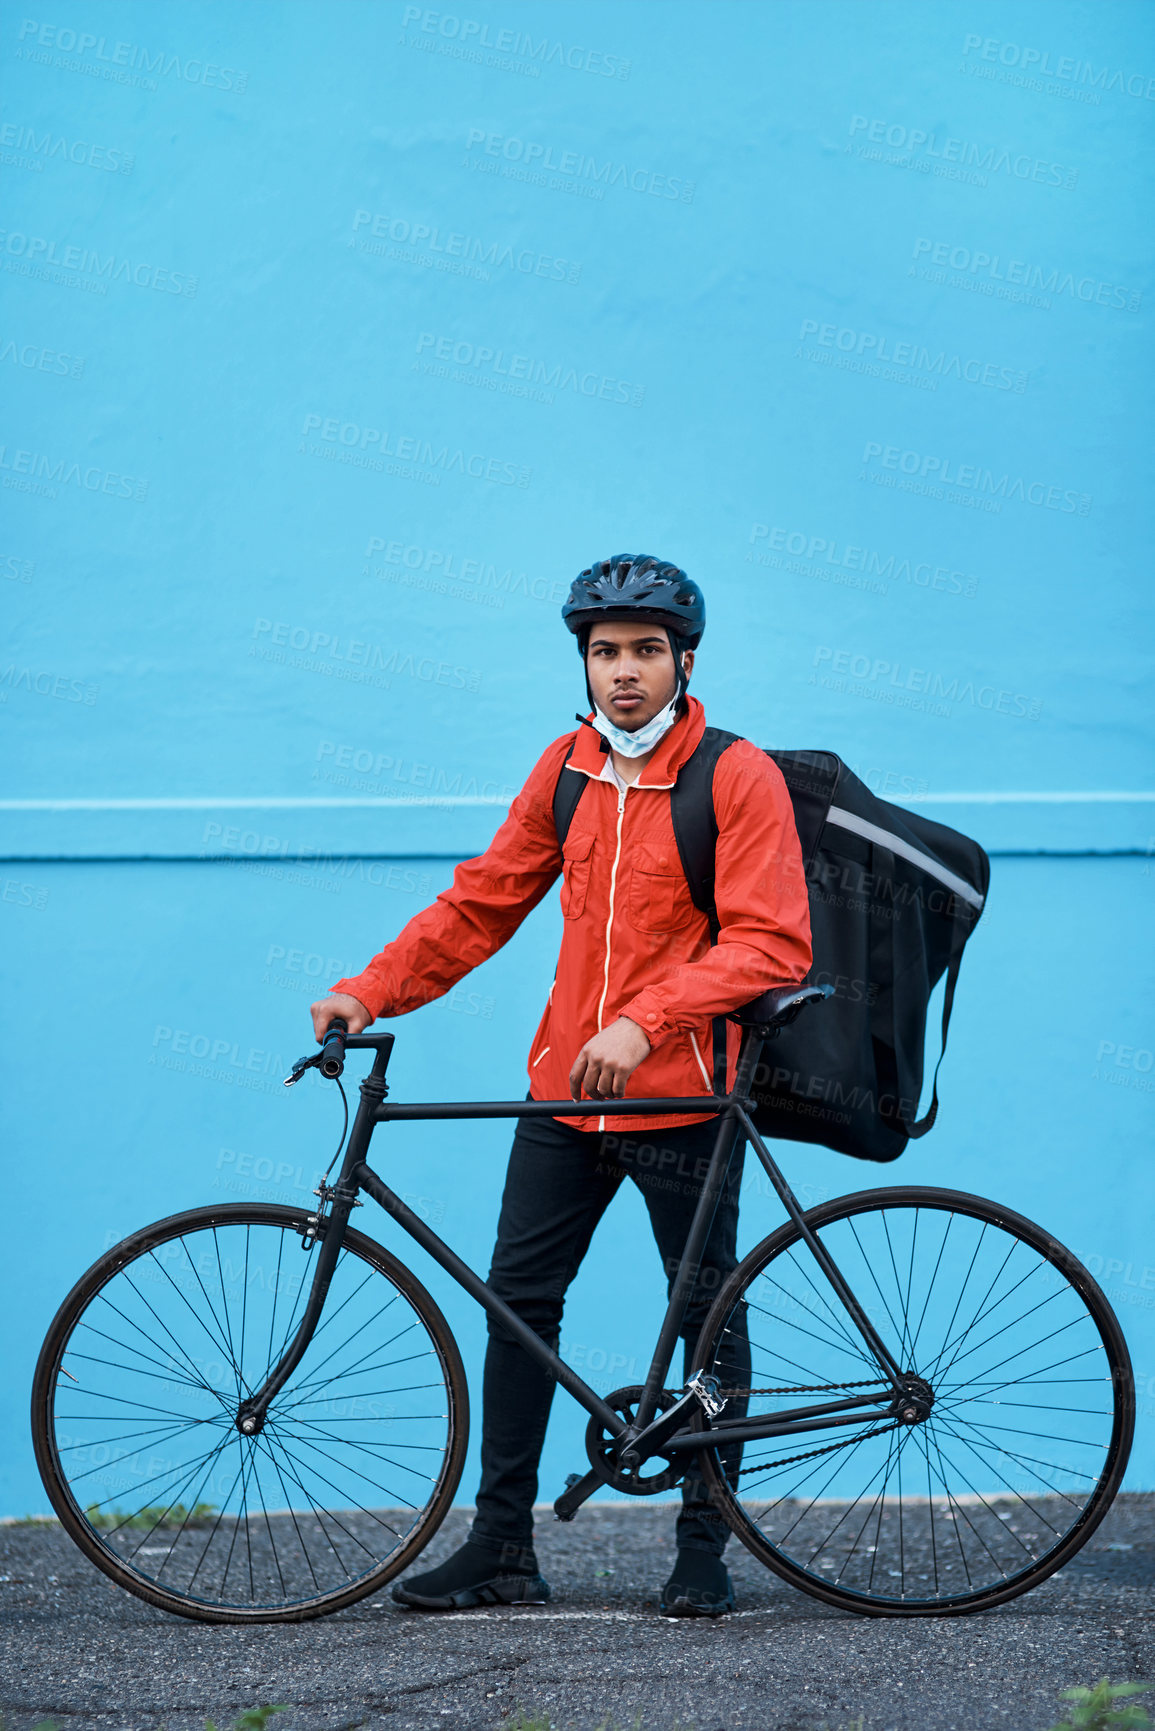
x=637 y=744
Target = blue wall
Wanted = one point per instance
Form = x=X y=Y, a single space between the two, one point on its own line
x=336 y=339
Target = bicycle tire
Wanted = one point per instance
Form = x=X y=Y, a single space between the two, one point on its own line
x=944 y=1532
x=306 y=1417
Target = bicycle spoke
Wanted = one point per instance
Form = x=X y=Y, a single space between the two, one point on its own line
x=245 y=1308
x=937 y=1367
x=904 y=1349
x=217 y=1340
x=175 y=1500
x=197 y=1377
x=317 y=1385
x=853 y=1341
x=931 y=1285
x=308 y=1442
x=371 y=1450
x=226 y=1333
x=168 y=1375
x=276 y=1296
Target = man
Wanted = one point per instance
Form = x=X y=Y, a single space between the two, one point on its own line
x=631 y=1010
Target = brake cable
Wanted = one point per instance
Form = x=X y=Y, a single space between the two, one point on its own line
x=344 y=1129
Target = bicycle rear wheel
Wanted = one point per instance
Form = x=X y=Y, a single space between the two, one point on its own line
x=1025 y=1442
x=135 y=1402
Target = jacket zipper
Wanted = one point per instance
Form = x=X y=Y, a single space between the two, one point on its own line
x=622 y=792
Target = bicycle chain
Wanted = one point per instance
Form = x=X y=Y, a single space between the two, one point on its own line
x=816 y=1388
x=810 y=1454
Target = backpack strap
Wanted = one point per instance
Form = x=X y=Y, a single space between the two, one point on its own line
x=695 y=824
x=926 y=1122
x=884 y=963
x=565 y=797
x=696 y=833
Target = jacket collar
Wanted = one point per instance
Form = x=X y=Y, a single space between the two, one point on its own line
x=670 y=753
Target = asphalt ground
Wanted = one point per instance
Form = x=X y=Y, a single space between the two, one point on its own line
x=79 y=1651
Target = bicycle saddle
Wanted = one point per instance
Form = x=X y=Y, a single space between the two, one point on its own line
x=777 y=1008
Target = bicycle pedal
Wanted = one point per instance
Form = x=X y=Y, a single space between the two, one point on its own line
x=579 y=1487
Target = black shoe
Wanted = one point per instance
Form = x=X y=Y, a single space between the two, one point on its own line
x=472 y=1576
x=700 y=1586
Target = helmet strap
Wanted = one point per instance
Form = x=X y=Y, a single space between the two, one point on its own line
x=679 y=671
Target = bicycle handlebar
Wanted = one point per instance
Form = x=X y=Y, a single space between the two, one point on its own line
x=332 y=1059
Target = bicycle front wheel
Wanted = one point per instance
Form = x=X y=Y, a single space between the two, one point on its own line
x=1028 y=1384
x=135 y=1402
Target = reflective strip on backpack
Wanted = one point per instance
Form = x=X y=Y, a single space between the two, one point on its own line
x=883 y=838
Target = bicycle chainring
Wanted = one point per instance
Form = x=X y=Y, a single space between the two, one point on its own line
x=601 y=1449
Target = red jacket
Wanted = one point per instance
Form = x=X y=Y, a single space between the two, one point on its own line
x=634 y=944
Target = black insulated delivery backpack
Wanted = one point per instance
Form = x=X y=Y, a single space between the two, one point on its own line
x=893 y=899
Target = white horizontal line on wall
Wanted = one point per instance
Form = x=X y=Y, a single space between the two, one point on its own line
x=322 y=802
x=1083 y=798
x=253 y=802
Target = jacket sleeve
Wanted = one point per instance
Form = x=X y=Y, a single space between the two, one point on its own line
x=762 y=902
x=481 y=910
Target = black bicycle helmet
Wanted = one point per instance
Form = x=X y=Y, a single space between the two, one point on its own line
x=630 y=584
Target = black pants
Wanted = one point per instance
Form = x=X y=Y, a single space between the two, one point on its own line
x=559 y=1184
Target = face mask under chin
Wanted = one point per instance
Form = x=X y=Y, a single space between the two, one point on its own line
x=645 y=738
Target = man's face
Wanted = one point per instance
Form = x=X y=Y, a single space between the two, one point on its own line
x=631 y=671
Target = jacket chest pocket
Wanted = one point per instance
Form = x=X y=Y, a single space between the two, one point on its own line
x=659 y=894
x=577 y=863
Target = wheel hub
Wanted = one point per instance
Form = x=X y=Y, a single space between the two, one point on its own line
x=249 y=1422
x=913 y=1405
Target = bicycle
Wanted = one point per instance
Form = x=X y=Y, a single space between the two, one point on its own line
x=286 y=1433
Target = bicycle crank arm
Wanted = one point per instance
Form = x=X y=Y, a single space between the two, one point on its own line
x=578 y=1490
x=701 y=1395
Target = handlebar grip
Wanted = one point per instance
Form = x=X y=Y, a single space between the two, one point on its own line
x=332 y=1060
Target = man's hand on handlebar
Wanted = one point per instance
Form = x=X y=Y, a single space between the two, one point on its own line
x=605 y=1064
x=351 y=1010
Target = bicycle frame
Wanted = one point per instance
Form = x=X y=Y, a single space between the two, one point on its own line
x=650 y=1432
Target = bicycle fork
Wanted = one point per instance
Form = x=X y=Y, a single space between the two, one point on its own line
x=329 y=1230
